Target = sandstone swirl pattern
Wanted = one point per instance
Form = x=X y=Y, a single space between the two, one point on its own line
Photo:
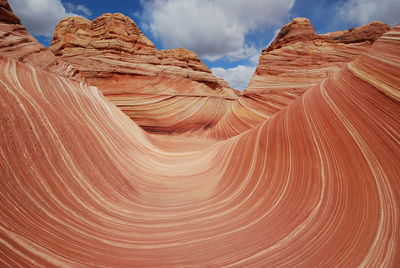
x=168 y=91
x=315 y=185
x=17 y=43
x=295 y=61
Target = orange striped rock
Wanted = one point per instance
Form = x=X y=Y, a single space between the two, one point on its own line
x=168 y=91
x=315 y=185
x=296 y=60
x=16 y=42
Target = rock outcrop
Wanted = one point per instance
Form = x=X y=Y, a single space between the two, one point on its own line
x=113 y=54
x=296 y=60
x=16 y=42
x=316 y=185
x=113 y=44
x=299 y=58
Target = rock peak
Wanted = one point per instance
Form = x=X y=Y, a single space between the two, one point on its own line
x=117 y=42
x=300 y=20
x=112 y=24
x=108 y=31
x=114 y=55
x=299 y=29
x=364 y=33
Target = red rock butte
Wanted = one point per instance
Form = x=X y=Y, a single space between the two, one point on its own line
x=116 y=154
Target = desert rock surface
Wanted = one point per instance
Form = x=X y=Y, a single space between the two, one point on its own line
x=294 y=62
x=314 y=185
x=161 y=90
x=16 y=42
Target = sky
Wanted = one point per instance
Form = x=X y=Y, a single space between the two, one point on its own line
x=228 y=35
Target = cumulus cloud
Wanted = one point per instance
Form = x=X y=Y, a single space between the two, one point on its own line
x=237 y=77
x=213 y=29
x=41 y=16
x=364 y=11
x=78 y=8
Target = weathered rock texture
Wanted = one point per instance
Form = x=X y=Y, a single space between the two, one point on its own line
x=299 y=58
x=113 y=44
x=17 y=43
x=316 y=185
x=162 y=90
x=295 y=61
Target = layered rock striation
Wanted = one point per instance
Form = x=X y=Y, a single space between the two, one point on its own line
x=316 y=185
x=16 y=42
x=112 y=45
x=162 y=90
x=295 y=61
x=299 y=58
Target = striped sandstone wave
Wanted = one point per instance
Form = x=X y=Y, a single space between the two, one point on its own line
x=315 y=185
x=16 y=42
x=295 y=61
x=113 y=54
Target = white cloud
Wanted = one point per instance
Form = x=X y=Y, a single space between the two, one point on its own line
x=255 y=58
x=78 y=8
x=41 y=16
x=364 y=11
x=238 y=77
x=213 y=29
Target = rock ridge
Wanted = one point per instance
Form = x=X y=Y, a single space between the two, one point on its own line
x=317 y=185
x=17 y=43
x=301 y=30
x=294 y=62
x=114 y=44
x=181 y=94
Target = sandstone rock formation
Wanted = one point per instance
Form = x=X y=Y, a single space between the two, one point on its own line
x=295 y=61
x=151 y=86
x=17 y=43
x=299 y=58
x=315 y=185
x=113 y=44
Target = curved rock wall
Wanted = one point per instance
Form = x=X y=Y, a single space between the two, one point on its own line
x=113 y=54
x=295 y=61
x=316 y=185
x=16 y=42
